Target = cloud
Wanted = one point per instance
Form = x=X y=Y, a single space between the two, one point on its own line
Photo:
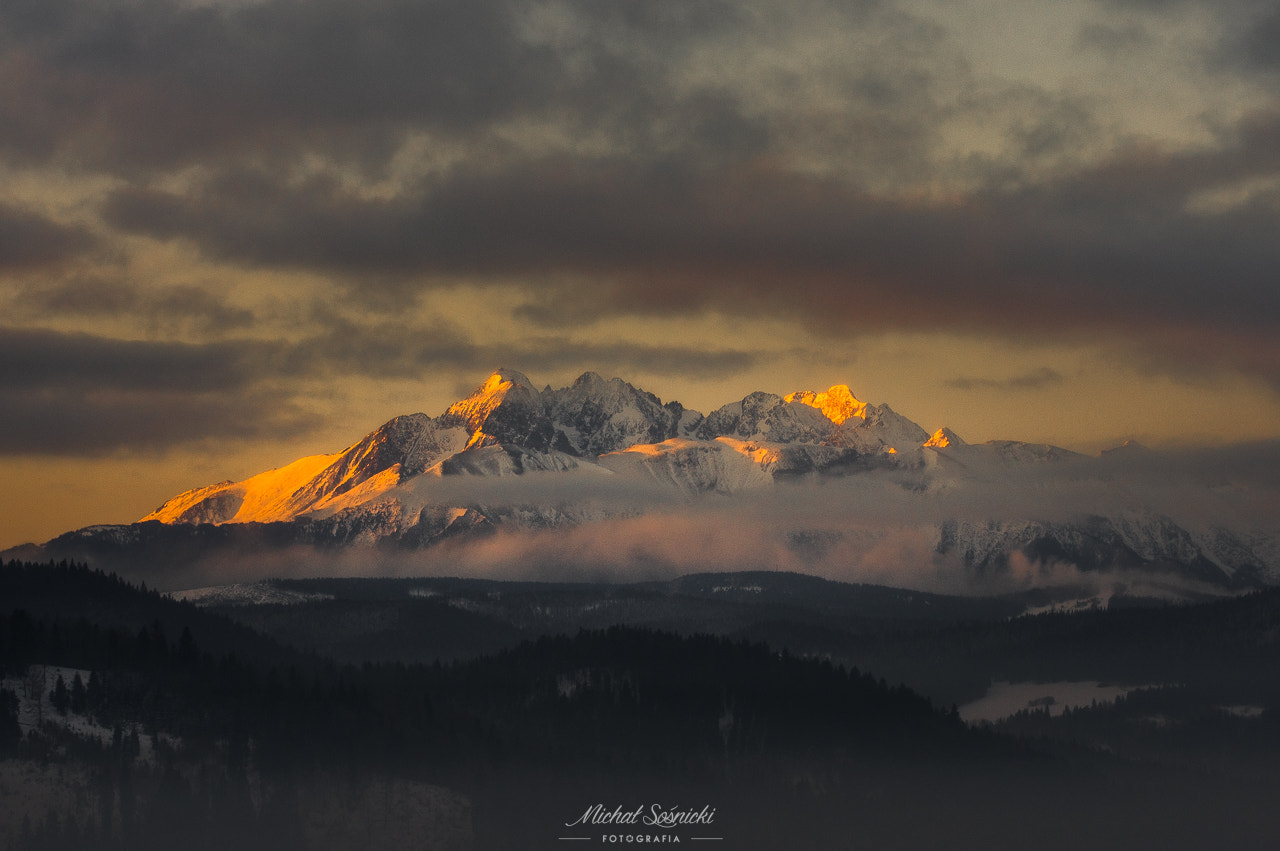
x=614 y=159
x=550 y=353
x=857 y=168
x=171 y=310
x=35 y=359
x=30 y=240
x=130 y=85
x=1035 y=380
x=1114 y=39
x=1257 y=44
x=81 y=394
x=862 y=528
x=1251 y=467
x=404 y=349
x=87 y=423
x=1200 y=355
x=157 y=83
x=1114 y=247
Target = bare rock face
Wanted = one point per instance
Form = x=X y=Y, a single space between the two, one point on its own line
x=596 y=415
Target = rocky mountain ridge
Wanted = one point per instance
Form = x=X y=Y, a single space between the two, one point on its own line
x=513 y=458
x=507 y=427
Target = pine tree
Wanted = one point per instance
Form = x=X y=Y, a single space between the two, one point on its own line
x=60 y=697
x=132 y=746
x=93 y=693
x=10 y=732
x=79 y=700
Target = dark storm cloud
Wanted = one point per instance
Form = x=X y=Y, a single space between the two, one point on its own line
x=1113 y=39
x=1116 y=246
x=406 y=350
x=49 y=360
x=1037 y=379
x=170 y=308
x=86 y=423
x=624 y=357
x=121 y=84
x=157 y=82
x=82 y=395
x=1199 y=355
x=31 y=359
x=693 y=200
x=258 y=217
x=1259 y=45
x=29 y=240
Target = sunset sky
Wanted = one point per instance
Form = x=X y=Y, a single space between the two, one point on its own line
x=235 y=233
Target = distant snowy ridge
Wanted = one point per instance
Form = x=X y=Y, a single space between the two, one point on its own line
x=248 y=594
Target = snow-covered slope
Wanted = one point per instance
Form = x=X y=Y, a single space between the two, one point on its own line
x=266 y=496
x=691 y=466
x=951 y=458
x=401 y=448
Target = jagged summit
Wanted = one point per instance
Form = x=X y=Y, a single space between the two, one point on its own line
x=832 y=418
x=944 y=438
x=837 y=404
x=765 y=416
x=473 y=410
x=595 y=415
x=514 y=376
x=506 y=407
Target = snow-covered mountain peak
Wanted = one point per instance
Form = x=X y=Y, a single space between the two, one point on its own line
x=495 y=389
x=944 y=438
x=594 y=380
x=595 y=387
x=505 y=391
x=596 y=415
x=503 y=375
x=837 y=403
x=765 y=416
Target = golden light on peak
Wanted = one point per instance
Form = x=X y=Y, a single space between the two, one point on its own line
x=837 y=404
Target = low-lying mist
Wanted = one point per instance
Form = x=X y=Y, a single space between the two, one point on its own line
x=880 y=527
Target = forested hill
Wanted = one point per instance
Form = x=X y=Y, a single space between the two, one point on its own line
x=215 y=740
x=67 y=593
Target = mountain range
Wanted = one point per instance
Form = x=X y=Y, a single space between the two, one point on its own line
x=817 y=481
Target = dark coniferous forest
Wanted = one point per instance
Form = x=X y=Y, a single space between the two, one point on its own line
x=132 y=720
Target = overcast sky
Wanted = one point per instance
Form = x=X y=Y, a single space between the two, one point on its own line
x=234 y=233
